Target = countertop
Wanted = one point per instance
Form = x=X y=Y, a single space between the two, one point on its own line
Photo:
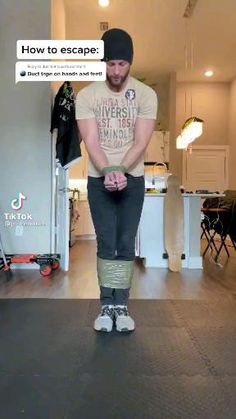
x=209 y=195
x=84 y=197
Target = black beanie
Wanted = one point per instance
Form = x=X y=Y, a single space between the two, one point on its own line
x=118 y=45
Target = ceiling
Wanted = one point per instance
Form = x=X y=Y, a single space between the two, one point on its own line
x=160 y=34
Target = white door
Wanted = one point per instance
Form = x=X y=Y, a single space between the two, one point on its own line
x=62 y=217
x=206 y=167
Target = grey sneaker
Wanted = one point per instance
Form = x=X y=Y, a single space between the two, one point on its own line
x=124 y=322
x=104 y=322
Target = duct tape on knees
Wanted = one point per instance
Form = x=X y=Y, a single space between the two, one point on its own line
x=115 y=273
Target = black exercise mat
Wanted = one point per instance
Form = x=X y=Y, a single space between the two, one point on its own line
x=179 y=362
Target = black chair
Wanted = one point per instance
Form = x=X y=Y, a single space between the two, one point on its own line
x=218 y=218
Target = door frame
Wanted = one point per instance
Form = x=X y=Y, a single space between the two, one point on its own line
x=54 y=245
x=53 y=193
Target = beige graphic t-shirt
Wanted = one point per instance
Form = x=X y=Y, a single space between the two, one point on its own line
x=115 y=113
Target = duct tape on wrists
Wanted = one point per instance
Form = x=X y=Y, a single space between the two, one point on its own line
x=115 y=273
x=110 y=169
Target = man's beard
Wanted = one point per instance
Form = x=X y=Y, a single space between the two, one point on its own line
x=117 y=81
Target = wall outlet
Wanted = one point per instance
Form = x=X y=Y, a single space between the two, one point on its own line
x=19 y=231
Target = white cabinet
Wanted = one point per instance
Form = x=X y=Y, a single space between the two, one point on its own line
x=206 y=168
x=85 y=223
x=80 y=170
x=150 y=241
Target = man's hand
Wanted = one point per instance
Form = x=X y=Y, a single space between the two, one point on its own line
x=121 y=180
x=115 y=181
x=110 y=182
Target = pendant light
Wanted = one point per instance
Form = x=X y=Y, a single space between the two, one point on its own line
x=103 y=3
x=192 y=129
x=193 y=126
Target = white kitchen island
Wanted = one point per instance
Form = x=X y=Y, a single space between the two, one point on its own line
x=150 y=235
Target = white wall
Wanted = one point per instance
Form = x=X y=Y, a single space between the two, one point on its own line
x=58 y=30
x=175 y=155
x=25 y=144
x=210 y=102
x=232 y=135
x=162 y=90
x=58 y=20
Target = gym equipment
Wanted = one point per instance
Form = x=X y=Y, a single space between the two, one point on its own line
x=47 y=262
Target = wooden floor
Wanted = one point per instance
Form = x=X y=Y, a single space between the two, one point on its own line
x=213 y=282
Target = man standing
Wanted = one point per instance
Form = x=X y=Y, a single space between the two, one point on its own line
x=116 y=119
